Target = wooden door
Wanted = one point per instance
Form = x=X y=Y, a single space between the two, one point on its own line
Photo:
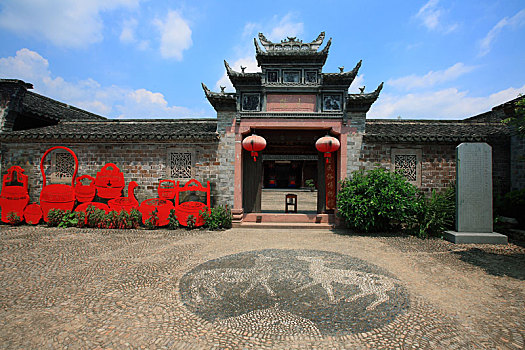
x=252 y=180
x=321 y=187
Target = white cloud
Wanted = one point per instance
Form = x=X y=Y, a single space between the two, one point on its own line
x=251 y=66
x=65 y=23
x=128 y=35
x=430 y=16
x=128 y=31
x=515 y=21
x=358 y=82
x=286 y=27
x=175 y=35
x=431 y=78
x=140 y=103
x=109 y=101
x=448 y=103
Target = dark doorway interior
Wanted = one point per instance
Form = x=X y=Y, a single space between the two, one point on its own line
x=289 y=160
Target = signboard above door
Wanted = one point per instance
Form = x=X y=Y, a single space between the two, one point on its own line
x=289 y=157
x=290 y=103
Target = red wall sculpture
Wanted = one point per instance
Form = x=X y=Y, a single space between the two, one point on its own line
x=14 y=196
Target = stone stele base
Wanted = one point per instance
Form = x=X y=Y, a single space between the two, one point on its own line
x=475 y=237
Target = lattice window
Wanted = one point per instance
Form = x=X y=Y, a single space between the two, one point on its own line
x=180 y=164
x=63 y=168
x=406 y=164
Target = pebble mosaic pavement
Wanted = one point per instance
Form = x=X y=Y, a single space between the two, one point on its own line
x=242 y=288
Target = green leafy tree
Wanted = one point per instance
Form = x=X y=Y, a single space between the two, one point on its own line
x=518 y=119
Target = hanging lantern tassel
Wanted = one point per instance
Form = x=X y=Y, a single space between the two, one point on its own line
x=254 y=144
x=327 y=144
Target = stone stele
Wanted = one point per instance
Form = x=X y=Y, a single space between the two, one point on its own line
x=474 y=196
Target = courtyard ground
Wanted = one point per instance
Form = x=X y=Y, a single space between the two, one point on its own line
x=250 y=288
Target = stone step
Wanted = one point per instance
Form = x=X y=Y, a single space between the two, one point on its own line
x=289 y=218
x=285 y=225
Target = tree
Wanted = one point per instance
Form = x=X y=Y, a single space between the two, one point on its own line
x=517 y=121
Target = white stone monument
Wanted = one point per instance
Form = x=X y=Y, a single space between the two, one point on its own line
x=474 y=196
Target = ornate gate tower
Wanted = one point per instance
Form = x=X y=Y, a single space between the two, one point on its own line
x=291 y=103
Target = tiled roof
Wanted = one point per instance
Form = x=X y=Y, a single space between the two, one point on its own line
x=121 y=130
x=385 y=130
x=46 y=107
x=345 y=78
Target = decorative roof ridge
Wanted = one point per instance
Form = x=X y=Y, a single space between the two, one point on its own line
x=327 y=47
x=258 y=49
x=368 y=96
x=223 y=95
x=18 y=82
x=291 y=43
x=350 y=73
x=233 y=73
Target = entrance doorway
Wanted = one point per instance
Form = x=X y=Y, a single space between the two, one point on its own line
x=290 y=164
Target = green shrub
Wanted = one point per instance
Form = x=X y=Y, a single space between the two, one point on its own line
x=95 y=217
x=81 y=216
x=218 y=218
x=14 y=219
x=54 y=217
x=377 y=200
x=310 y=184
x=190 y=222
x=153 y=221
x=173 y=223
x=69 y=219
x=135 y=218
x=512 y=204
x=110 y=220
x=436 y=214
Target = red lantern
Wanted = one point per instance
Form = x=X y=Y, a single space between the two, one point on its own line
x=326 y=145
x=254 y=144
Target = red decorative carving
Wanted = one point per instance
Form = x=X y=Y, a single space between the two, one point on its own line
x=166 y=189
x=254 y=144
x=163 y=207
x=326 y=145
x=125 y=203
x=330 y=181
x=14 y=197
x=57 y=196
x=85 y=193
x=290 y=103
x=183 y=210
x=33 y=214
x=110 y=182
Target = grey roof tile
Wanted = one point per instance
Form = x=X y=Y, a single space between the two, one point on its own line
x=121 y=130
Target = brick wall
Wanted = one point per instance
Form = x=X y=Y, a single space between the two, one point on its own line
x=517 y=156
x=144 y=163
x=438 y=162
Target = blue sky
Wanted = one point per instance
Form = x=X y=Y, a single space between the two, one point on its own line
x=439 y=59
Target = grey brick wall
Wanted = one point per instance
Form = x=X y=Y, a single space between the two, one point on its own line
x=517 y=162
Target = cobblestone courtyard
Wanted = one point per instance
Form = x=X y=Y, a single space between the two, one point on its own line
x=241 y=288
